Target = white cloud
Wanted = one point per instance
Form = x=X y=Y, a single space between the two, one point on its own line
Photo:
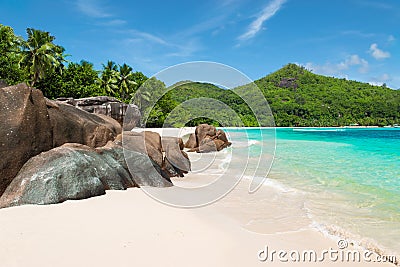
x=354 y=60
x=268 y=12
x=358 y=33
x=339 y=68
x=378 y=53
x=225 y=3
x=391 y=38
x=115 y=22
x=380 y=80
x=206 y=25
x=376 y=4
x=112 y=23
x=147 y=45
x=92 y=8
x=184 y=50
x=147 y=37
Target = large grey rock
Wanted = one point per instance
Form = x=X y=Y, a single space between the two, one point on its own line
x=108 y=106
x=146 y=142
x=145 y=171
x=31 y=124
x=72 y=171
x=204 y=130
x=75 y=171
x=176 y=161
x=25 y=129
x=166 y=152
x=72 y=125
x=89 y=101
x=192 y=141
x=221 y=136
x=207 y=145
x=207 y=139
x=132 y=117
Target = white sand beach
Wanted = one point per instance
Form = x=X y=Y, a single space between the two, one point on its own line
x=128 y=228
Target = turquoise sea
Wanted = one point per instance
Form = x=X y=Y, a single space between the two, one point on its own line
x=350 y=178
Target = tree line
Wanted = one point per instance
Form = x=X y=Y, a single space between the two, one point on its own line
x=297 y=97
x=41 y=63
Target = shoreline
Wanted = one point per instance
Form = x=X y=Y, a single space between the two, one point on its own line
x=150 y=234
x=332 y=230
x=131 y=228
x=169 y=129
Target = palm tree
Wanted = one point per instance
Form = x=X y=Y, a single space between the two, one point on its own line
x=125 y=82
x=110 y=66
x=40 y=55
x=108 y=79
x=107 y=82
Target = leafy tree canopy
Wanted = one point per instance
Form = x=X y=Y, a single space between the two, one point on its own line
x=296 y=96
x=10 y=56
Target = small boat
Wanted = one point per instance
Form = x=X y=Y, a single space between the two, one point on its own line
x=396 y=126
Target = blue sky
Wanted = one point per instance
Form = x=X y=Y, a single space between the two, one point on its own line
x=355 y=39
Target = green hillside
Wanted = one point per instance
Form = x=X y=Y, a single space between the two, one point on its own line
x=196 y=90
x=298 y=97
x=301 y=98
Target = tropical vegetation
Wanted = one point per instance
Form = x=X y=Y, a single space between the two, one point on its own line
x=41 y=63
x=296 y=96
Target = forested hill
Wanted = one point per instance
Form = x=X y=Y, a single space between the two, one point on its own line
x=298 y=97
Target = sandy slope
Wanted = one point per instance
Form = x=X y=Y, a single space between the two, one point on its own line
x=128 y=228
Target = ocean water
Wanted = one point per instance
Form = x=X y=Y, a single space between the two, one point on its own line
x=350 y=178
